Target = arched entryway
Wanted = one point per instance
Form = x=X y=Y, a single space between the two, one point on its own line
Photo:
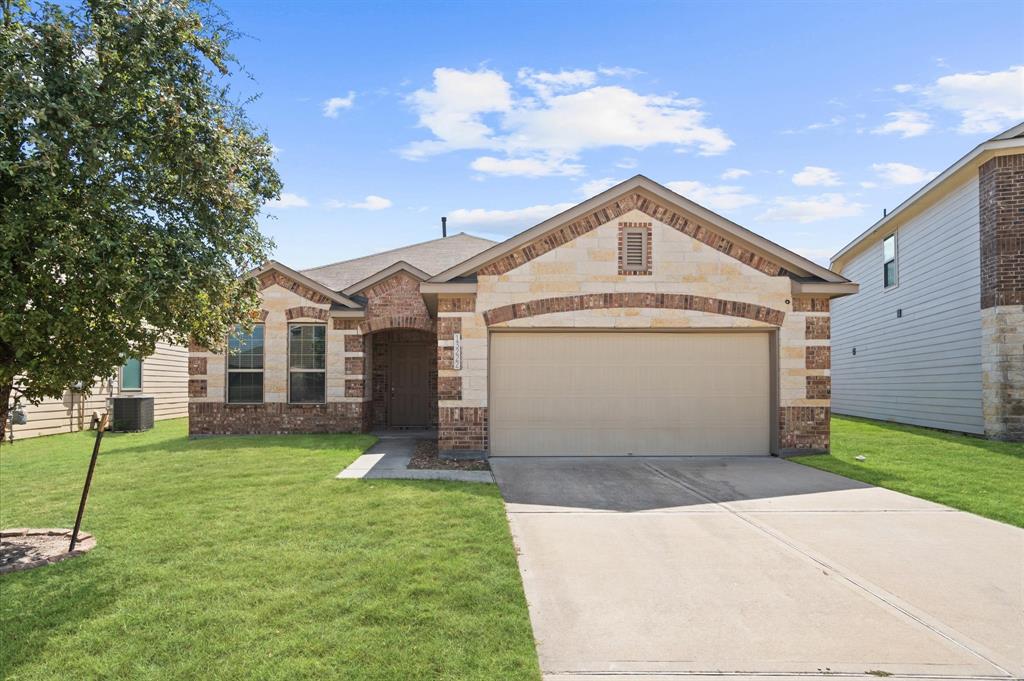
x=404 y=378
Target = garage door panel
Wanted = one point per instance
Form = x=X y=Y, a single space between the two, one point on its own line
x=600 y=393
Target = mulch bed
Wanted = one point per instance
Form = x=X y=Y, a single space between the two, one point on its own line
x=22 y=548
x=426 y=458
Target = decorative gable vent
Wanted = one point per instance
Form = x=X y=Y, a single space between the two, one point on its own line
x=634 y=248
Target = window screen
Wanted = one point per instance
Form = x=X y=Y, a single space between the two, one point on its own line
x=307 y=357
x=245 y=365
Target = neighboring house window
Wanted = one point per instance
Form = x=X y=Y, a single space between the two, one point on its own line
x=634 y=248
x=307 y=354
x=889 y=256
x=245 y=365
x=131 y=375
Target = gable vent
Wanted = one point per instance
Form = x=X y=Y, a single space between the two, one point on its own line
x=634 y=250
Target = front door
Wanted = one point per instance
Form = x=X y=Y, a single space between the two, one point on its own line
x=409 y=389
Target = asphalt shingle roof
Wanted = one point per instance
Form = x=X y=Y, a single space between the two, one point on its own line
x=432 y=257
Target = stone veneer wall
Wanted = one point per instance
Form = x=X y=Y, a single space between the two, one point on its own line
x=347 y=407
x=1001 y=212
x=696 y=282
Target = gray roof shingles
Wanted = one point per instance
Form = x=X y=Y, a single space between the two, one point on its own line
x=432 y=257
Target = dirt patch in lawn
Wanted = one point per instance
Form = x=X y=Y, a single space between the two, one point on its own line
x=22 y=549
x=426 y=458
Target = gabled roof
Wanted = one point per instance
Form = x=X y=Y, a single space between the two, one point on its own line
x=1010 y=141
x=428 y=257
x=333 y=296
x=793 y=262
x=400 y=266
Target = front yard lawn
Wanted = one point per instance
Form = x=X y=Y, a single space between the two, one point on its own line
x=969 y=473
x=243 y=558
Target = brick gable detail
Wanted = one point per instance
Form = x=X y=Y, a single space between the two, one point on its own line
x=268 y=279
x=597 y=301
x=610 y=211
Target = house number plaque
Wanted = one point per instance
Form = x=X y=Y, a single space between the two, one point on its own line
x=456 y=351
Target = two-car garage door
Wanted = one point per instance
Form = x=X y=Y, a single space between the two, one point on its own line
x=603 y=393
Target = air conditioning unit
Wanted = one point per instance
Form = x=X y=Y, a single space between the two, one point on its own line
x=132 y=413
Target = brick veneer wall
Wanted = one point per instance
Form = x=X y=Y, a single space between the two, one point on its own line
x=276 y=418
x=1001 y=212
x=665 y=301
x=1001 y=227
x=462 y=429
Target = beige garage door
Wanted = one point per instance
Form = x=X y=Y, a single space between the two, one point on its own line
x=597 y=393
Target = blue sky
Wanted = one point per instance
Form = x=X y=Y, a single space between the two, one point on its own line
x=799 y=121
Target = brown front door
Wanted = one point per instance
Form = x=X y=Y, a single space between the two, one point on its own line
x=409 y=390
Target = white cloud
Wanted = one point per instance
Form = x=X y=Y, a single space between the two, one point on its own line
x=288 y=200
x=903 y=88
x=334 y=105
x=816 y=176
x=830 y=123
x=627 y=163
x=905 y=124
x=525 y=167
x=716 y=197
x=902 y=173
x=735 y=173
x=503 y=221
x=545 y=83
x=371 y=202
x=569 y=114
x=985 y=102
x=619 y=71
x=812 y=209
x=868 y=184
x=594 y=187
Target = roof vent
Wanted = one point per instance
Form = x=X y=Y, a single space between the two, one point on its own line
x=444 y=227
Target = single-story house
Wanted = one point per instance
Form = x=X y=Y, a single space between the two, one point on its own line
x=163 y=376
x=935 y=337
x=637 y=322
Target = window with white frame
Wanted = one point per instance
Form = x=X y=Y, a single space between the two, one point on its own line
x=889 y=274
x=245 y=365
x=307 y=362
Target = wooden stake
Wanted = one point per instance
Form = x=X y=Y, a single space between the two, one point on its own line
x=88 y=481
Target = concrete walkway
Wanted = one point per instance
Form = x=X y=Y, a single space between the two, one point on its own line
x=389 y=459
x=756 y=567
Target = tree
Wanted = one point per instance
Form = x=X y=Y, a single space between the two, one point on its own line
x=130 y=187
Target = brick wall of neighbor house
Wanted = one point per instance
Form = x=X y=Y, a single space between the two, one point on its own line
x=698 y=280
x=1001 y=211
x=346 y=409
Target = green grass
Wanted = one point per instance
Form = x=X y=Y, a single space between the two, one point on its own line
x=243 y=558
x=969 y=473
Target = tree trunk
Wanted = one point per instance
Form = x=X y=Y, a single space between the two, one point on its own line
x=5 y=406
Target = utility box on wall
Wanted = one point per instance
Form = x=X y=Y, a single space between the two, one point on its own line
x=132 y=413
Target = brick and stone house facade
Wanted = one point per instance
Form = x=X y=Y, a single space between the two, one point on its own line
x=938 y=340
x=637 y=322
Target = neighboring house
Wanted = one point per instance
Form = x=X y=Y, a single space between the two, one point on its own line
x=635 y=323
x=936 y=335
x=163 y=376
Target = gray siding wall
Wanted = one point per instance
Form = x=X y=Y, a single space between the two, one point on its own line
x=923 y=368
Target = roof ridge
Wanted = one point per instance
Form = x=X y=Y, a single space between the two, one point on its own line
x=397 y=248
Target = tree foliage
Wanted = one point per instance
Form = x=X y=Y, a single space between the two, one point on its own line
x=130 y=187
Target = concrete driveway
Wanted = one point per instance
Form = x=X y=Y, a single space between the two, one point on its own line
x=658 y=567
